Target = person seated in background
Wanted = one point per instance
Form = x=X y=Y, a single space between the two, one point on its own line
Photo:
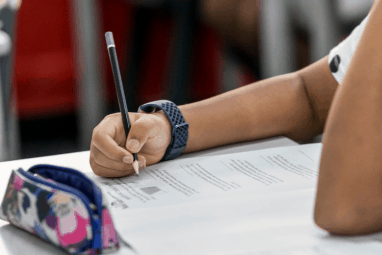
x=340 y=94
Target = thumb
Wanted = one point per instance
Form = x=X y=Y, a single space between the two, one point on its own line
x=147 y=126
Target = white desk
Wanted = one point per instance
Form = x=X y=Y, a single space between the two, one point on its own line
x=14 y=241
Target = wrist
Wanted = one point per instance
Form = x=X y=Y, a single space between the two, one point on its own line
x=179 y=127
x=165 y=125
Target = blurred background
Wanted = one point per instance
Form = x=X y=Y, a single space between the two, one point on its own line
x=56 y=81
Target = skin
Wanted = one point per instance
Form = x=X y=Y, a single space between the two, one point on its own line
x=294 y=105
x=297 y=105
x=349 y=194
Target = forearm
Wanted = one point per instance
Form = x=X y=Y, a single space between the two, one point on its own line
x=349 y=187
x=277 y=106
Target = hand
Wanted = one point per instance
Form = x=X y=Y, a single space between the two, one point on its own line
x=111 y=155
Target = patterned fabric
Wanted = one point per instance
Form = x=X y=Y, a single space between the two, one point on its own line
x=54 y=215
x=109 y=235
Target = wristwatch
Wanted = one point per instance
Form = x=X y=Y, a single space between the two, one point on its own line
x=179 y=127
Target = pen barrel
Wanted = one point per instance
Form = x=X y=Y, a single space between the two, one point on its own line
x=119 y=89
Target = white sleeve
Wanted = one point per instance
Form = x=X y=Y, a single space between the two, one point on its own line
x=340 y=56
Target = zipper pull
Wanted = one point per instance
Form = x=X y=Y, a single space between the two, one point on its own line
x=39 y=176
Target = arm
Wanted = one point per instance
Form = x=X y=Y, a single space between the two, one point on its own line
x=349 y=191
x=294 y=105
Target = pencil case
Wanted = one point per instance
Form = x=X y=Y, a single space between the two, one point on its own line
x=62 y=206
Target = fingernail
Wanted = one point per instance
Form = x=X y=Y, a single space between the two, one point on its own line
x=127 y=159
x=133 y=144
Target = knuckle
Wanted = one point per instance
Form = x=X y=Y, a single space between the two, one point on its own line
x=112 y=115
x=131 y=115
x=93 y=149
x=95 y=133
x=98 y=136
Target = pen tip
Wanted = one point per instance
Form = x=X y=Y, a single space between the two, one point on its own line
x=136 y=167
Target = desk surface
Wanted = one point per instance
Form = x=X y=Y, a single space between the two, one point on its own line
x=14 y=241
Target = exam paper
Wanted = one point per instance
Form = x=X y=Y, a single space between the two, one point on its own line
x=185 y=180
x=266 y=224
x=219 y=204
x=341 y=248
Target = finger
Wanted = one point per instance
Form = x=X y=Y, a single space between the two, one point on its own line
x=109 y=172
x=142 y=161
x=105 y=161
x=104 y=138
x=114 y=126
x=152 y=159
x=147 y=126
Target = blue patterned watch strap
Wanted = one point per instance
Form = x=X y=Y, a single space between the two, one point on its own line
x=179 y=132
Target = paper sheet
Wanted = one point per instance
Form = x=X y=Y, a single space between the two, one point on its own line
x=232 y=203
x=252 y=203
x=273 y=223
x=344 y=248
x=185 y=180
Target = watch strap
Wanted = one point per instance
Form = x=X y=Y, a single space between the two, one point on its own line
x=179 y=127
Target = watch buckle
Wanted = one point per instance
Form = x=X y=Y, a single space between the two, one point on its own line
x=178 y=126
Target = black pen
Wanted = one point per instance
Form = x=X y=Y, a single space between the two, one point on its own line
x=120 y=92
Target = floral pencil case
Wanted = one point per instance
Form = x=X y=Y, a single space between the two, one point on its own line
x=62 y=206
